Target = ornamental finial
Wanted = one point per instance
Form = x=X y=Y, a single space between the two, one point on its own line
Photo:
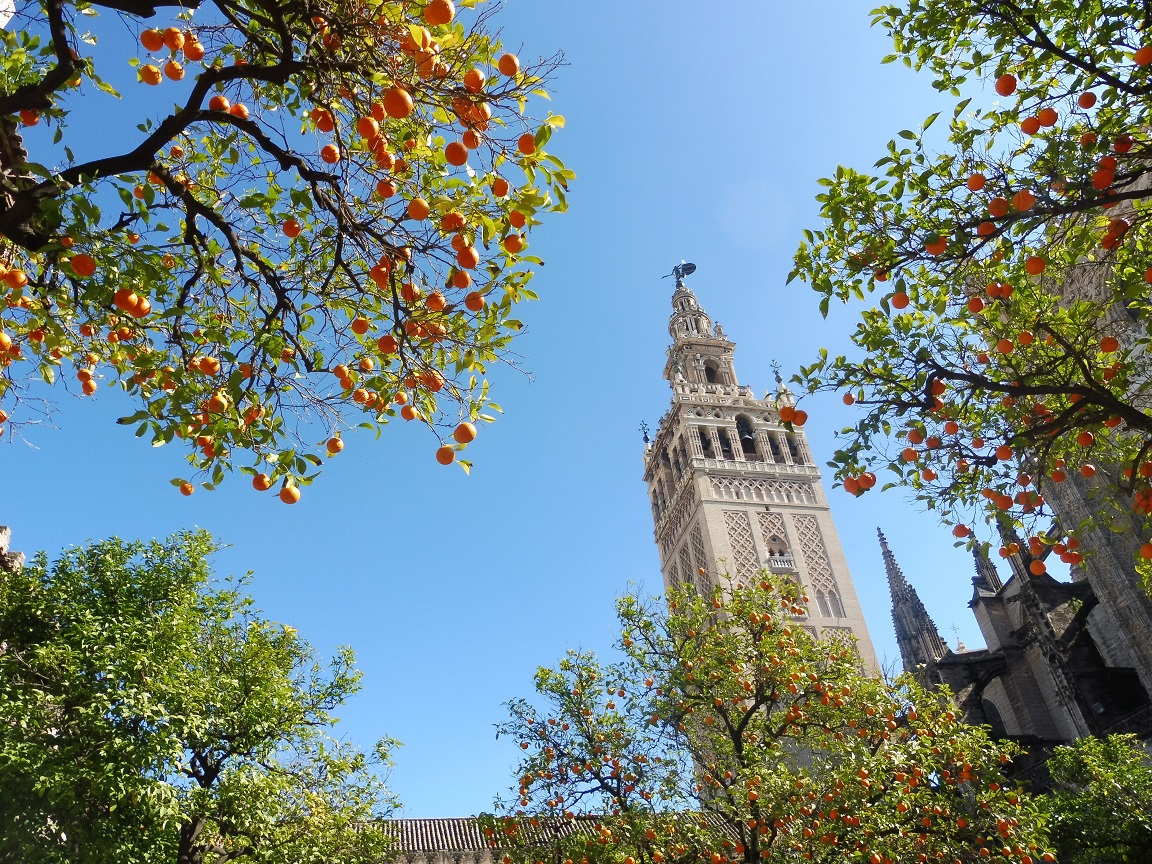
x=680 y=271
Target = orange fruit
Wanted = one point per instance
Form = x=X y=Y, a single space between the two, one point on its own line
x=1088 y=470
x=1035 y=265
x=174 y=38
x=397 y=102
x=961 y=531
x=439 y=12
x=1047 y=116
x=330 y=153
x=360 y=325
x=261 y=482
x=445 y=455
x=435 y=302
x=418 y=209
x=800 y=417
x=468 y=258
x=465 y=433
x=334 y=446
x=998 y=207
x=193 y=50
x=787 y=413
x=1109 y=344
x=291 y=228
x=975 y=305
x=456 y=153
x=1143 y=56
x=1038 y=568
x=461 y=279
x=1086 y=100
x=83 y=265
x=1006 y=85
x=289 y=494
x=508 y=64
x=474 y=301
x=89 y=387
x=899 y=300
x=186 y=489
x=471 y=139
x=1023 y=200
x=173 y=70
x=385 y=188
x=513 y=243
x=474 y=80
x=408 y=412
x=239 y=110
x=150 y=74
x=387 y=344
x=1030 y=125
x=500 y=187
x=219 y=103
x=152 y=40
x=1085 y=438
x=526 y=144
x=976 y=182
x=848 y=399
x=867 y=480
x=368 y=127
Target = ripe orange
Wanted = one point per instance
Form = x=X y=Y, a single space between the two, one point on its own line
x=468 y=258
x=193 y=50
x=1035 y=265
x=526 y=144
x=500 y=187
x=848 y=399
x=517 y=219
x=261 y=482
x=83 y=265
x=89 y=387
x=239 y=110
x=385 y=188
x=474 y=80
x=513 y=243
x=998 y=207
x=471 y=139
x=152 y=40
x=1038 y=568
x=173 y=38
x=509 y=65
x=1143 y=56
x=456 y=153
x=289 y=494
x=360 y=325
x=439 y=12
x=219 y=103
x=1005 y=346
x=445 y=455
x=1085 y=438
x=408 y=412
x=961 y=531
x=330 y=153
x=1006 y=85
x=186 y=489
x=976 y=181
x=787 y=413
x=1030 y=125
x=474 y=301
x=1088 y=470
x=1023 y=200
x=150 y=74
x=1026 y=337
x=1004 y=452
x=335 y=445
x=398 y=102
x=975 y=305
x=368 y=127
x=418 y=209
x=173 y=70
x=1109 y=344
x=387 y=344
x=465 y=433
x=1046 y=116
x=899 y=300
x=291 y=228
x=866 y=480
x=461 y=279
x=1086 y=100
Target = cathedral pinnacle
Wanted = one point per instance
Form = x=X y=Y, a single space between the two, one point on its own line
x=916 y=633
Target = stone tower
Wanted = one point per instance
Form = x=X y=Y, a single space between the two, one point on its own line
x=916 y=633
x=734 y=491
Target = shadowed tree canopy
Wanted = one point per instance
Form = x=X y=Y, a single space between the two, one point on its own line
x=1001 y=267
x=320 y=222
x=151 y=714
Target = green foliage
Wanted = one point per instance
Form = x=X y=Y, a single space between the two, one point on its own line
x=1100 y=808
x=150 y=715
x=235 y=270
x=730 y=733
x=996 y=261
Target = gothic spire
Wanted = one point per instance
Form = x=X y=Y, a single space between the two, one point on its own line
x=986 y=578
x=916 y=634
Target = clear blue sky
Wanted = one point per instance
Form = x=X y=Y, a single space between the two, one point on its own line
x=697 y=132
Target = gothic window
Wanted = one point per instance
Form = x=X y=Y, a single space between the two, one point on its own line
x=837 y=606
x=793 y=449
x=706 y=442
x=822 y=602
x=712 y=372
x=829 y=603
x=725 y=445
x=747 y=438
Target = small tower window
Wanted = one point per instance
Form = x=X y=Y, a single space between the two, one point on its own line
x=725 y=445
x=712 y=372
x=706 y=442
x=747 y=438
x=822 y=602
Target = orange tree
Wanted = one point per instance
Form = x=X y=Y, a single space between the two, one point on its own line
x=323 y=225
x=729 y=733
x=1010 y=257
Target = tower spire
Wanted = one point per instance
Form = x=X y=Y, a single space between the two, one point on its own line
x=916 y=633
x=986 y=578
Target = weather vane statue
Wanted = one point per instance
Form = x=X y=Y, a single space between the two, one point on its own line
x=680 y=271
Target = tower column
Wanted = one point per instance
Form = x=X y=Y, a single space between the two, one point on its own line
x=717 y=451
x=785 y=450
x=765 y=442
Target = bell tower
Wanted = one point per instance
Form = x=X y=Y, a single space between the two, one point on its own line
x=733 y=490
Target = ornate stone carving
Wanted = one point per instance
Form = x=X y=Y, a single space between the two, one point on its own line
x=761 y=489
x=740 y=541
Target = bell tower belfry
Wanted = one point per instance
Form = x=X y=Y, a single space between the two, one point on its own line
x=733 y=490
